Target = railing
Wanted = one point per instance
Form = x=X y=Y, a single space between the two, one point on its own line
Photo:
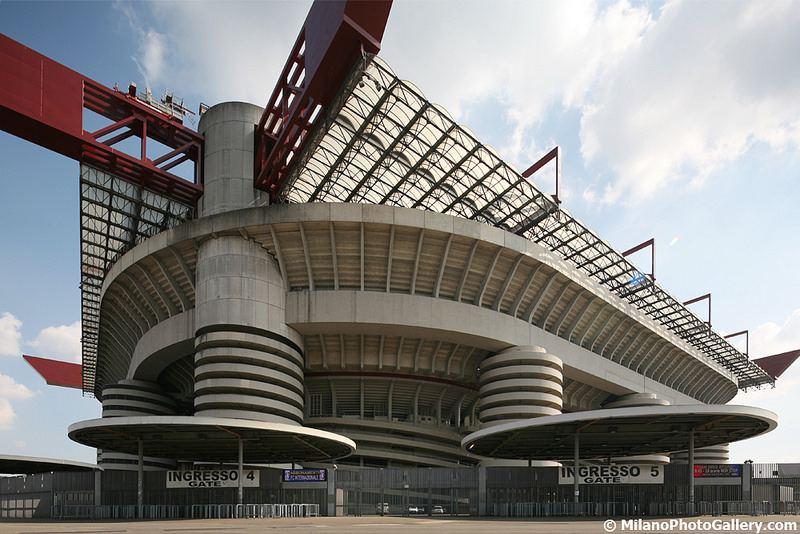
x=195 y=511
x=655 y=509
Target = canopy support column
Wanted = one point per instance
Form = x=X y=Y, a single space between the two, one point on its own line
x=691 y=471
x=240 y=486
x=140 y=480
x=575 y=479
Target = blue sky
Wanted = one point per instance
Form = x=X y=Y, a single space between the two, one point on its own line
x=677 y=121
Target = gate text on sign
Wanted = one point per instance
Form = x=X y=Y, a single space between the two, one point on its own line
x=613 y=474
x=212 y=478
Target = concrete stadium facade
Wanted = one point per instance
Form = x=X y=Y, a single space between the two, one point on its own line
x=401 y=329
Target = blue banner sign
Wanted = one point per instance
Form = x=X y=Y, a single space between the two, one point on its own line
x=304 y=475
x=717 y=470
x=637 y=279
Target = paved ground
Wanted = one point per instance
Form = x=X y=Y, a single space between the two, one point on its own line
x=358 y=525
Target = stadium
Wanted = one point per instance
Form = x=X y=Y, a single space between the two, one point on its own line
x=364 y=308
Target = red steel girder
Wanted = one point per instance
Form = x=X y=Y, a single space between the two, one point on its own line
x=776 y=364
x=335 y=35
x=43 y=101
x=57 y=372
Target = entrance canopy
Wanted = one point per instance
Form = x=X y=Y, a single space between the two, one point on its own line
x=211 y=439
x=11 y=464
x=618 y=432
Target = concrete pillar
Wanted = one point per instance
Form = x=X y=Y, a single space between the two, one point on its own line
x=714 y=454
x=576 y=479
x=140 y=480
x=691 y=472
x=249 y=364
x=331 y=493
x=229 y=130
x=240 y=482
x=633 y=400
x=481 y=491
x=519 y=383
x=131 y=398
x=98 y=488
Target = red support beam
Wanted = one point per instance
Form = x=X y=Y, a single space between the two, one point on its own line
x=57 y=372
x=707 y=297
x=649 y=243
x=335 y=35
x=777 y=364
x=554 y=154
x=43 y=102
x=746 y=334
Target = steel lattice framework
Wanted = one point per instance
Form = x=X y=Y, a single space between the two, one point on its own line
x=382 y=142
x=116 y=214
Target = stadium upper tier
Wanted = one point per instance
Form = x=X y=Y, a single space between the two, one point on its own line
x=383 y=142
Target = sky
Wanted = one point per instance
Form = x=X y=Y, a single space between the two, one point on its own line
x=677 y=120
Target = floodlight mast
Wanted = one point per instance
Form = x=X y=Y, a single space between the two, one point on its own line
x=334 y=36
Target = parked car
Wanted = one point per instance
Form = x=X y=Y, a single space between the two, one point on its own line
x=437 y=510
x=413 y=509
x=382 y=509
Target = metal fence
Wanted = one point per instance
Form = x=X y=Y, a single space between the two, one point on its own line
x=195 y=511
x=466 y=491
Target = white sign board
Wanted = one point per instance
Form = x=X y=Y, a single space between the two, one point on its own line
x=212 y=478
x=612 y=474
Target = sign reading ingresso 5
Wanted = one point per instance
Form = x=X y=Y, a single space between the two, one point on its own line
x=212 y=478
x=612 y=474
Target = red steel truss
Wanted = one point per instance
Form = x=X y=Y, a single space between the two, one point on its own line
x=335 y=35
x=43 y=101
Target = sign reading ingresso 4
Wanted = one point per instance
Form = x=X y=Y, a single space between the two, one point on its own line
x=612 y=474
x=212 y=478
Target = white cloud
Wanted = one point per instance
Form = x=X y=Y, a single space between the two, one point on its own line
x=59 y=342
x=665 y=98
x=10 y=390
x=10 y=335
x=7 y=415
x=706 y=82
x=527 y=55
x=215 y=51
x=772 y=338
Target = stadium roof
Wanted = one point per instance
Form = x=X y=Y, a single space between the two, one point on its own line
x=383 y=142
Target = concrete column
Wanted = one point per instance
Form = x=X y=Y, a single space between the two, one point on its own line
x=633 y=400
x=240 y=294
x=691 y=471
x=240 y=485
x=519 y=383
x=140 y=480
x=576 y=479
x=229 y=130
x=331 y=493
x=98 y=488
x=131 y=398
x=249 y=364
x=481 y=491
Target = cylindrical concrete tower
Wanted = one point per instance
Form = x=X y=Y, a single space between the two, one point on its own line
x=228 y=156
x=633 y=400
x=519 y=383
x=130 y=398
x=249 y=364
